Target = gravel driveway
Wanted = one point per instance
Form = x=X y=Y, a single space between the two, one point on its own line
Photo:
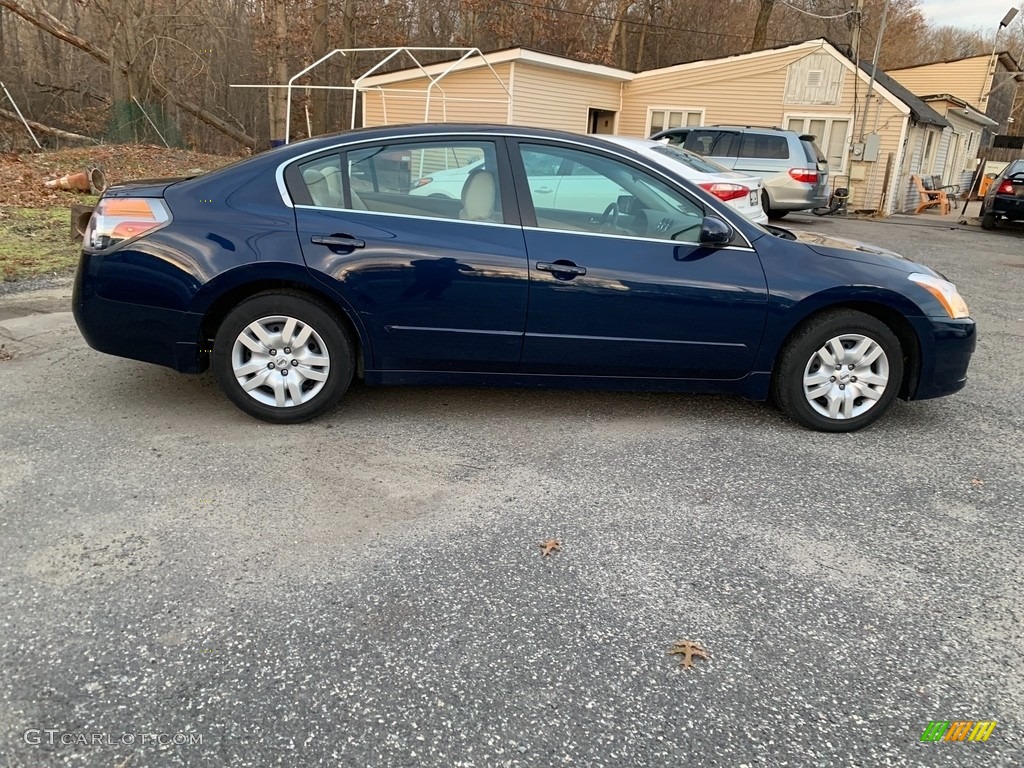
x=181 y=585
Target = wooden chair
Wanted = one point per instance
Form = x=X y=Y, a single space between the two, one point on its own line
x=930 y=197
x=952 y=190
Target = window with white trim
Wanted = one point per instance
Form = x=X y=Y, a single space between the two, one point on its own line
x=831 y=134
x=662 y=119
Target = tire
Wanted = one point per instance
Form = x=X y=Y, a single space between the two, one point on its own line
x=988 y=221
x=766 y=203
x=321 y=366
x=804 y=367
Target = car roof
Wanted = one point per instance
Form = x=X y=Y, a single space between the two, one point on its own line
x=427 y=129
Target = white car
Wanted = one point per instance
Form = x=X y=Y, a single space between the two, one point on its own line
x=579 y=188
x=741 y=191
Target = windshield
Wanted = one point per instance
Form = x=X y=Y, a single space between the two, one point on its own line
x=690 y=159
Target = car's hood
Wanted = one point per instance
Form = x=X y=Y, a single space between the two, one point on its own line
x=818 y=242
x=854 y=250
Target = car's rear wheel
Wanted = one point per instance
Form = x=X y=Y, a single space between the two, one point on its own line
x=840 y=372
x=766 y=203
x=283 y=357
x=988 y=221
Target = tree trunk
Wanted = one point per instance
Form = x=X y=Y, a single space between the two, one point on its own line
x=49 y=130
x=764 y=13
x=320 y=100
x=278 y=100
x=49 y=23
x=348 y=36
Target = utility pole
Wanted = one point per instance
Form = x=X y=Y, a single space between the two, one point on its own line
x=874 y=68
x=858 y=24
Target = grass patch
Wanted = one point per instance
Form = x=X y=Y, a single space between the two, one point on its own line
x=36 y=241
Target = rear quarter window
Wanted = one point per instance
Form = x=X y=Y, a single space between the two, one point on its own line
x=812 y=152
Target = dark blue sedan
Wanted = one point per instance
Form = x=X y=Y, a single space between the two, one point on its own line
x=294 y=271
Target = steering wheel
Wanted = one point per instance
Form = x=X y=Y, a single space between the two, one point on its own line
x=611 y=216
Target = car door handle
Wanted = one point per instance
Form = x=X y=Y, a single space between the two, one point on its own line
x=338 y=241
x=543 y=190
x=558 y=268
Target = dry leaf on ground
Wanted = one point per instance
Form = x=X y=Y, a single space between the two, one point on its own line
x=549 y=546
x=689 y=650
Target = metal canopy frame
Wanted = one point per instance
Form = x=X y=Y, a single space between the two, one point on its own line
x=389 y=54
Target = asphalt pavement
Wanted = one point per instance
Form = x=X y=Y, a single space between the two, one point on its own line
x=183 y=586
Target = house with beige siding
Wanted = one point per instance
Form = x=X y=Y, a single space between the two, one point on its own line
x=863 y=124
x=976 y=95
x=520 y=87
x=988 y=83
x=874 y=132
x=959 y=155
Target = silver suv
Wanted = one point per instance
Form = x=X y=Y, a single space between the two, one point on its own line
x=794 y=170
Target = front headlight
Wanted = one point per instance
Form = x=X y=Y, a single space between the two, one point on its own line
x=945 y=292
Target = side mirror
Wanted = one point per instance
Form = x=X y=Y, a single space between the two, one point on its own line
x=714 y=231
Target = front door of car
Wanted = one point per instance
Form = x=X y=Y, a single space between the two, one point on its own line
x=619 y=284
x=439 y=284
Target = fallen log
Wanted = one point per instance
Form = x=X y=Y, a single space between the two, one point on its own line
x=47 y=129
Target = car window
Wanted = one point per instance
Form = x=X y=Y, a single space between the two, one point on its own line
x=813 y=153
x=606 y=196
x=701 y=141
x=675 y=137
x=542 y=165
x=715 y=142
x=322 y=179
x=764 y=146
x=448 y=179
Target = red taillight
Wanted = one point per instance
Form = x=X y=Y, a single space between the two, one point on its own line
x=726 y=192
x=804 y=175
x=1006 y=188
x=117 y=219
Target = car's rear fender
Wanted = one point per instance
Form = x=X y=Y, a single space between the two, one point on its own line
x=216 y=298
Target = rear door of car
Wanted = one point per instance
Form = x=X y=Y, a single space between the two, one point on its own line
x=439 y=284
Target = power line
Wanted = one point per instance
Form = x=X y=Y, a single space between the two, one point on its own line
x=816 y=15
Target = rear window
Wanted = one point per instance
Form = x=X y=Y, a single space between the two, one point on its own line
x=764 y=146
x=712 y=142
x=675 y=137
x=811 y=150
x=691 y=160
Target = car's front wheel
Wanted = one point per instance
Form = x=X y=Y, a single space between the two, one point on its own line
x=840 y=372
x=283 y=357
